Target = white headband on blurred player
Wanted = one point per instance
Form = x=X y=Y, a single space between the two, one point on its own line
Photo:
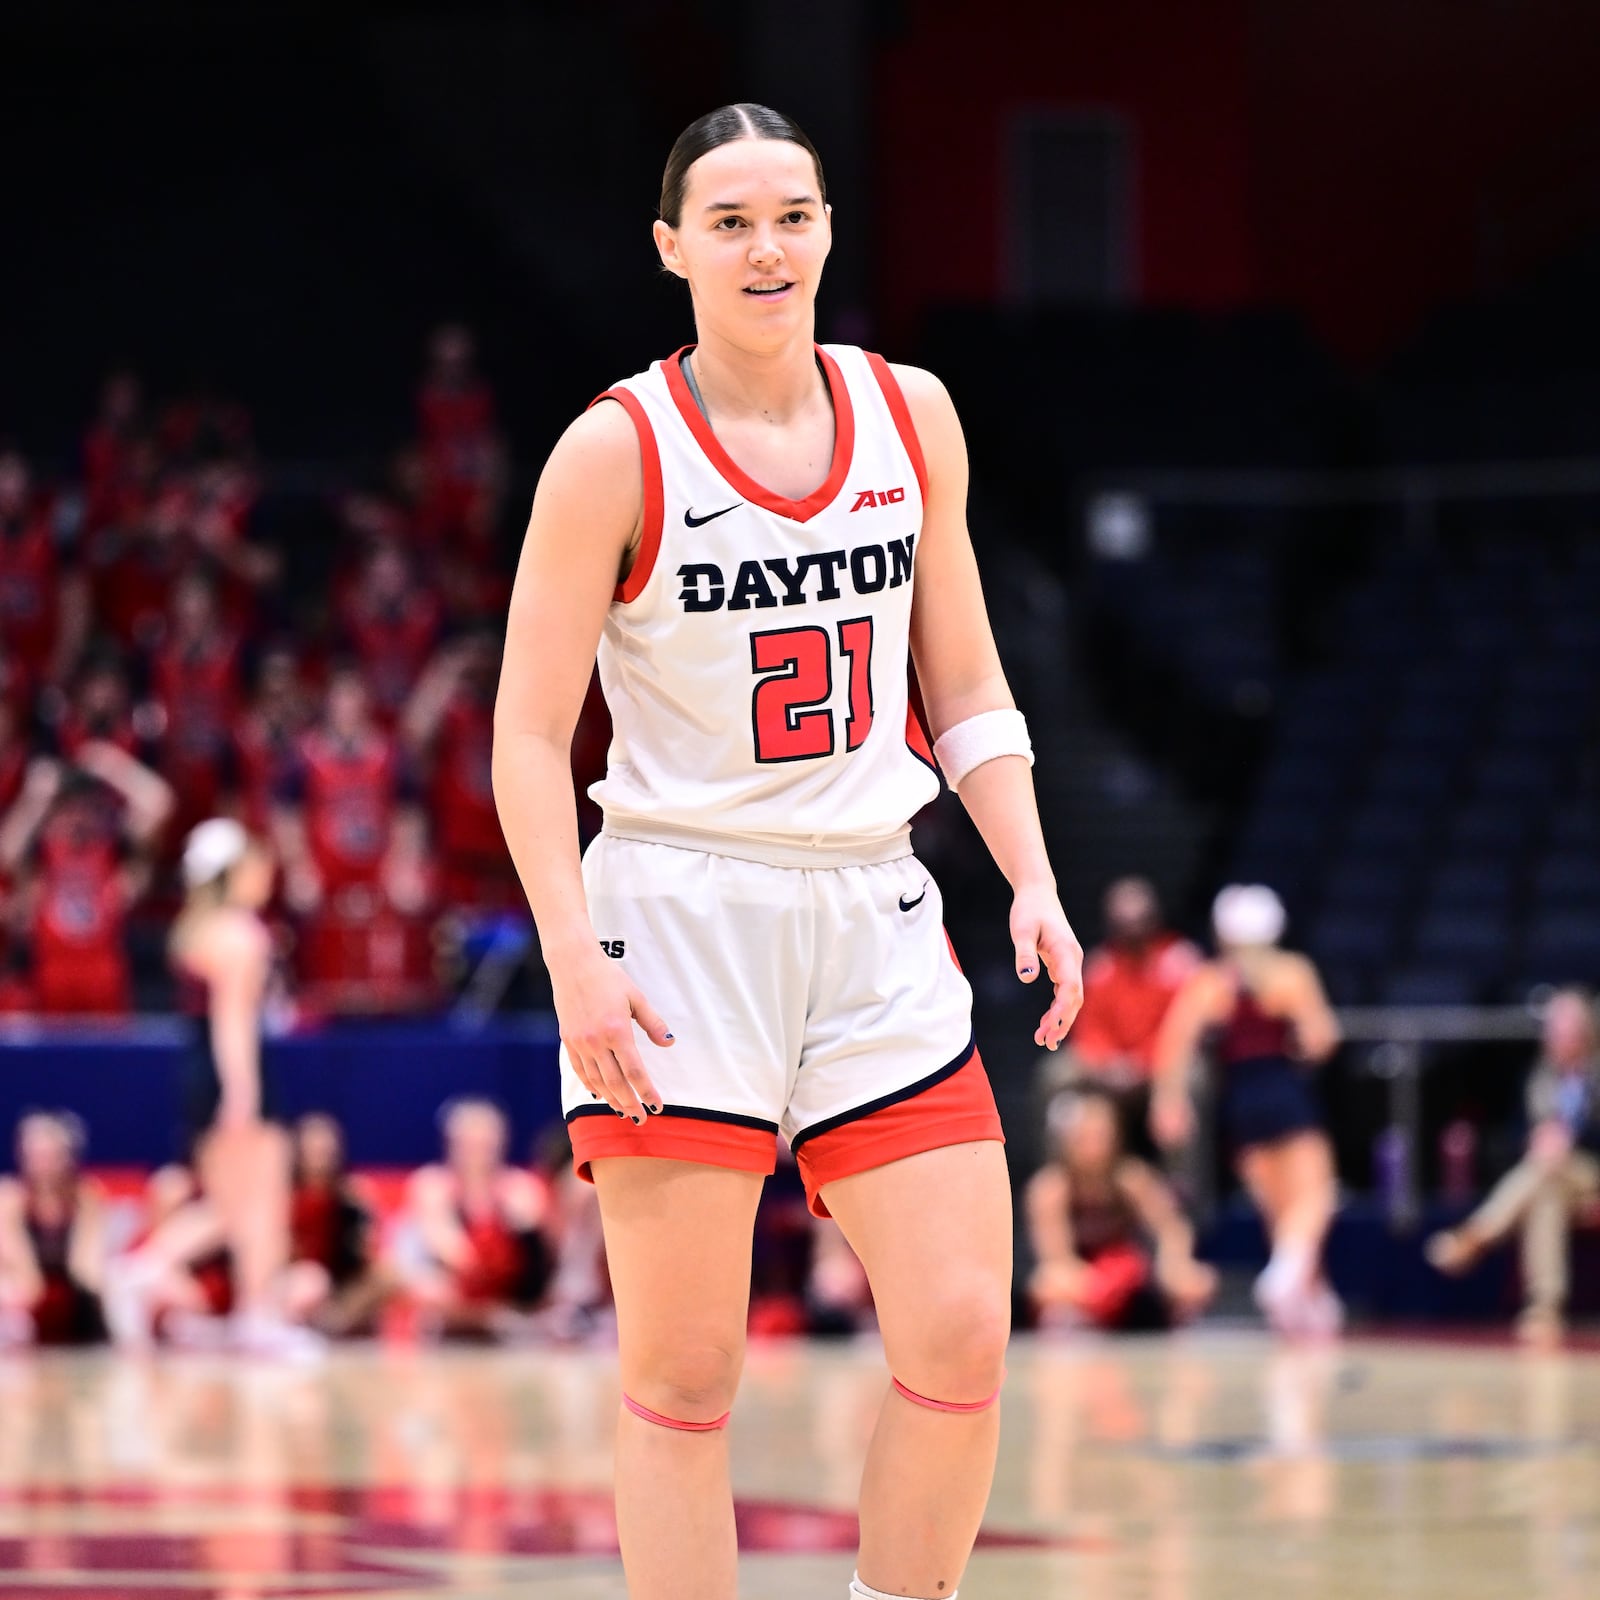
x=1248 y=913
x=969 y=744
x=211 y=849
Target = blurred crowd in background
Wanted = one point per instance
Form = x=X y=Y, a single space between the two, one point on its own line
x=161 y=662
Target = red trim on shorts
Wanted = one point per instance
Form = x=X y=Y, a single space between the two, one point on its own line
x=844 y=442
x=901 y=412
x=708 y=1138
x=654 y=497
x=955 y=1106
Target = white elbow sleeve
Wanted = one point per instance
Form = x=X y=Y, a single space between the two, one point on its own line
x=969 y=744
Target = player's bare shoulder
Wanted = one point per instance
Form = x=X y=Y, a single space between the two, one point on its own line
x=593 y=479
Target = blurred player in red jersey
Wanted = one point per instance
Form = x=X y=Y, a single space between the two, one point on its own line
x=391 y=623
x=476 y=1256
x=194 y=678
x=1092 y=1212
x=449 y=724
x=266 y=737
x=78 y=841
x=44 y=606
x=335 y=1281
x=52 y=1238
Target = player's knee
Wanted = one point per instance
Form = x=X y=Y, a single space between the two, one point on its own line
x=691 y=1382
x=958 y=1351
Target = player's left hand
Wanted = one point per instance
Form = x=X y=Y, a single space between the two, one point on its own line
x=1041 y=933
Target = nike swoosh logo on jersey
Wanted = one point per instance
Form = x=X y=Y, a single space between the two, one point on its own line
x=911 y=905
x=690 y=520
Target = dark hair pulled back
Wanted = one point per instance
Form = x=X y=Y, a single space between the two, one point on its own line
x=720 y=127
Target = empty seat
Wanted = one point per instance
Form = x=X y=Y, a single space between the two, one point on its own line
x=1352 y=939
x=1472 y=882
x=1387 y=826
x=1406 y=775
x=1474 y=945
x=1493 y=827
x=1564 y=947
x=1568 y=879
x=1428 y=986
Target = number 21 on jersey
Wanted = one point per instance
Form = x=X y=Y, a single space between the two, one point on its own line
x=789 y=711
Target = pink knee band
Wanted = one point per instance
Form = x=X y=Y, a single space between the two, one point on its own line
x=960 y=1406
x=647 y=1415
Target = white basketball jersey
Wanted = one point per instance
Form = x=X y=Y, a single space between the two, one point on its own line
x=755 y=660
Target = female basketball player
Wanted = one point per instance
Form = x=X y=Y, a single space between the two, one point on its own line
x=222 y=953
x=739 y=529
x=1270 y=1021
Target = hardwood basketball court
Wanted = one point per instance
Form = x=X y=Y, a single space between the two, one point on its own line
x=1210 y=1466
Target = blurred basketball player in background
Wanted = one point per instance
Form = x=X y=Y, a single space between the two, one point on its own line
x=221 y=951
x=1093 y=1212
x=52 y=1238
x=1268 y=1022
x=1558 y=1176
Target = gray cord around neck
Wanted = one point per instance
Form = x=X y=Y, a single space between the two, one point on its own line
x=687 y=367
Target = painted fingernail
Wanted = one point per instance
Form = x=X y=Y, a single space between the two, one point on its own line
x=593 y=1095
x=1027 y=972
x=654 y=1110
x=669 y=1036
x=638 y=1122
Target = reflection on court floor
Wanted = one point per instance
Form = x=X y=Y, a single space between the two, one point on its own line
x=1179 y=1470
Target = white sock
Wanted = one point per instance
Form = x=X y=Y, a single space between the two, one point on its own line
x=859 y=1591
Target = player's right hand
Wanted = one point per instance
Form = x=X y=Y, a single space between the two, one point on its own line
x=596 y=1007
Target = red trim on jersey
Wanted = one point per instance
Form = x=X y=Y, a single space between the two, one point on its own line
x=844 y=442
x=958 y=1109
x=901 y=412
x=654 y=498
x=917 y=740
x=683 y=1137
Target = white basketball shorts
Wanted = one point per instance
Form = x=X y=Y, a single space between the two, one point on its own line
x=822 y=1003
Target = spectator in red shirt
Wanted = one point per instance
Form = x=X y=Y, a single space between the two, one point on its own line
x=1128 y=983
x=194 y=679
x=44 y=607
x=460 y=444
x=392 y=625
x=449 y=726
x=101 y=708
x=267 y=736
x=354 y=846
x=52 y=1238
x=475 y=1250
x=78 y=839
x=138 y=564
x=347 y=815
x=111 y=452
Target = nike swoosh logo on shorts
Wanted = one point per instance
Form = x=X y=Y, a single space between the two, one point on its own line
x=911 y=905
x=690 y=520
